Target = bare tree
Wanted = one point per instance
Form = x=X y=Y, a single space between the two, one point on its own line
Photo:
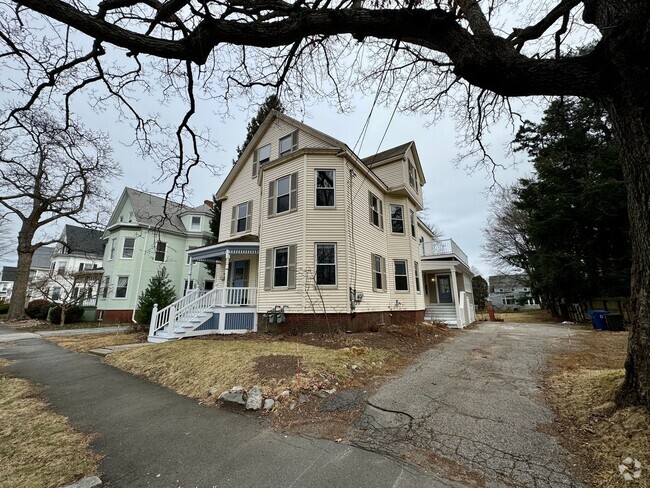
x=49 y=172
x=430 y=49
x=66 y=288
x=506 y=246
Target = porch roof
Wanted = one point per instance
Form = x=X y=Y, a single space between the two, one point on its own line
x=215 y=252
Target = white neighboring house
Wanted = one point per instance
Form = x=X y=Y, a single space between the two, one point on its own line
x=139 y=241
x=40 y=269
x=7 y=276
x=73 y=275
x=511 y=292
x=311 y=229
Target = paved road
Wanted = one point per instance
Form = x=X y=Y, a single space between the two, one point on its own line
x=150 y=436
x=472 y=409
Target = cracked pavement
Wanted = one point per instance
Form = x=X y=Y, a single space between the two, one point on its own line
x=472 y=411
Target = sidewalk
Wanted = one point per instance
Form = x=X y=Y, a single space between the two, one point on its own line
x=8 y=334
x=151 y=436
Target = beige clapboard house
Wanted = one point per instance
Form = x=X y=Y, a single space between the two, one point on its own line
x=309 y=228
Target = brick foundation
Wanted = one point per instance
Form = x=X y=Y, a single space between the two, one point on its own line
x=116 y=316
x=360 y=322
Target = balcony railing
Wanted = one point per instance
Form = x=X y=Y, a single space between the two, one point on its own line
x=445 y=247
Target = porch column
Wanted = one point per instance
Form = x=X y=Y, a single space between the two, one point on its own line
x=454 y=291
x=224 y=299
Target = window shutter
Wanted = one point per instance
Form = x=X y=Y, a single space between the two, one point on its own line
x=249 y=216
x=268 y=269
x=370 y=206
x=383 y=273
x=293 y=197
x=233 y=221
x=372 y=271
x=294 y=140
x=381 y=215
x=292 y=267
x=271 y=209
x=256 y=158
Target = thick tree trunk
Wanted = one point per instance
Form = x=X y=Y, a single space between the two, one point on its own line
x=19 y=293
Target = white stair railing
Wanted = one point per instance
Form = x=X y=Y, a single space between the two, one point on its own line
x=167 y=317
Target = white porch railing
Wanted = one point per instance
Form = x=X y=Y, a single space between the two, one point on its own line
x=443 y=247
x=194 y=304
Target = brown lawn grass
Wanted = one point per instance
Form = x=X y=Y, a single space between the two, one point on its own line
x=38 y=448
x=192 y=367
x=84 y=343
x=582 y=390
x=528 y=317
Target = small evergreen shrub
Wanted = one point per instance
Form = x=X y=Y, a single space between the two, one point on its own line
x=72 y=315
x=161 y=291
x=37 y=309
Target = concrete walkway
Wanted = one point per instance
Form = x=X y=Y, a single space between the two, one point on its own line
x=472 y=409
x=8 y=334
x=150 y=436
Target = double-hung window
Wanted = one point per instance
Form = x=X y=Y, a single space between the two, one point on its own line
x=56 y=293
x=412 y=180
x=127 y=248
x=283 y=195
x=195 y=223
x=280 y=269
x=417 y=276
x=401 y=275
x=161 y=251
x=242 y=216
x=412 y=216
x=326 y=264
x=112 y=252
x=376 y=210
x=122 y=285
x=105 y=285
x=288 y=143
x=397 y=219
x=378 y=272
x=325 y=187
x=260 y=156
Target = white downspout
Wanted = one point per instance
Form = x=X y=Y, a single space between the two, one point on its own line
x=137 y=287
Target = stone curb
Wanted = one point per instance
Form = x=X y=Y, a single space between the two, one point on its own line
x=87 y=482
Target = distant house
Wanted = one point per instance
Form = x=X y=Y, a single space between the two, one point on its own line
x=313 y=230
x=75 y=266
x=7 y=276
x=509 y=292
x=41 y=263
x=143 y=235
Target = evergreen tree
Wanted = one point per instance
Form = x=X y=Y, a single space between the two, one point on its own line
x=576 y=205
x=479 y=291
x=161 y=291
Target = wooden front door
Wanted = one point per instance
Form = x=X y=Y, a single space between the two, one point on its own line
x=444 y=289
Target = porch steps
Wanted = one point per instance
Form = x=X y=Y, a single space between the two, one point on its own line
x=441 y=312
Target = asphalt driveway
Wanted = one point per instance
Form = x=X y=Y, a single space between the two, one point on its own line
x=472 y=410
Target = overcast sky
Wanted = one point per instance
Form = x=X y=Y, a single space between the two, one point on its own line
x=457 y=201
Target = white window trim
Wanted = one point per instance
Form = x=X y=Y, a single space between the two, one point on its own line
x=406 y=275
x=336 y=265
x=198 y=227
x=277 y=195
x=273 y=268
x=379 y=212
x=245 y=219
x=260 y=160
x=418 y=278
x=413 y=230
x=155 y=251
x=124 y=247
x=111 y=252
x=316 y=188
x=126 y=291
x=390 y=209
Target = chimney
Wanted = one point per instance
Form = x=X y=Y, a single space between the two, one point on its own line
x=209 y=203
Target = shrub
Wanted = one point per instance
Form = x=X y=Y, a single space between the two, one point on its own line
x=73 y=314
x=160 y=291
x=37 y=309
x=4 y=308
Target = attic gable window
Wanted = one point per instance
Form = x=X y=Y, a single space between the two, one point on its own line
x=412 y=180
x=196 y=223
x=288 y=143
x=260 y=156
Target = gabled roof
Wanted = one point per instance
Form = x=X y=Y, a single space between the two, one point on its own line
x=82 y=240
x=387 y=154
x=42 y=257
x=149 y=210
x=8 y=273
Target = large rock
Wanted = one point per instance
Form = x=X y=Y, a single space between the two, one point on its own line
x=233 y=396
x=268 y=403
x=255 y=399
